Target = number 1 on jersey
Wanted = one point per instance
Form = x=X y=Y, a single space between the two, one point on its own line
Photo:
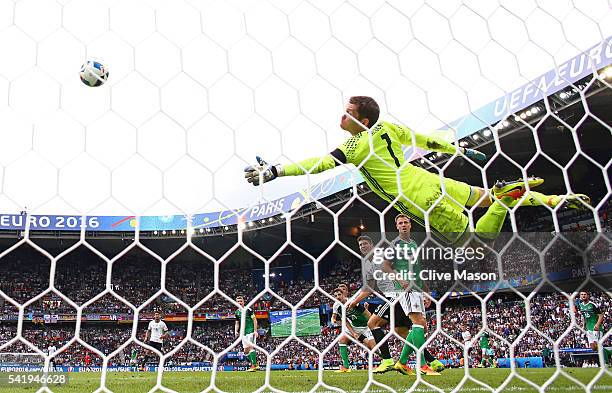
x=385 y=137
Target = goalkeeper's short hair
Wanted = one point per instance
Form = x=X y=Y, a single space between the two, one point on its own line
x=367 y=107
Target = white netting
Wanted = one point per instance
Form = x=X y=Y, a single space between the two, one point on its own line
x=196 y=90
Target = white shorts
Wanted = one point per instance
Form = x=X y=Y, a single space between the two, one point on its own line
x=593 y=336
x=484 y=351
x=415 y=302
x=248 y=340
x=363 y=330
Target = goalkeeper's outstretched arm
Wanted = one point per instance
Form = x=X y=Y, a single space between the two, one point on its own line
x=264 y=172
x=430 y=142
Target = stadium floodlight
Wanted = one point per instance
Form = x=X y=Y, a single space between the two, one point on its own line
x=487 y=132
x=475 y=137
x=251 y=224
x=163 y=232
x=155 y=232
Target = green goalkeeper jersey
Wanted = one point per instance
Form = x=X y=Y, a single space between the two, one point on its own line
x=418 y=189
x=248 y=320
x=590 y=312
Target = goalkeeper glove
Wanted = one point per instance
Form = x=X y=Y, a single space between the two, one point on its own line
x=474 y=154
x=268 y=172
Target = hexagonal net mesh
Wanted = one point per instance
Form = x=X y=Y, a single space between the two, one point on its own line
x=136 y=256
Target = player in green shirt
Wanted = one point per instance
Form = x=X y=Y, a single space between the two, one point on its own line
x=408 y=309
x=484 y=348
x=134 y=357
x=249 y=334
x=414 y=190
x=412 y=301
x=356 y=325
x=592 y=322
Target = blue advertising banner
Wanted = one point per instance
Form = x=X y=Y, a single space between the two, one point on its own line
x=531 y=362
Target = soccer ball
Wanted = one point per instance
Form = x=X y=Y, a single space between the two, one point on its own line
x=94 y=73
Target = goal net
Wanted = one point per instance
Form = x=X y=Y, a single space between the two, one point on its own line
x=451 y=233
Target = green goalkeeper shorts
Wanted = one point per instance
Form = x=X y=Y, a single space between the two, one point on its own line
x=422 y=192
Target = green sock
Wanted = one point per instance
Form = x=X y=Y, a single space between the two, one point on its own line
x=491 y=222
x=607 y=354
x=418 y=339
x=344 y=355
x=253 y=357
x=406 y=349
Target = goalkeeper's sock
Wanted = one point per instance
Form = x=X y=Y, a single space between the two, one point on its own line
x=253 y=357
x=607 y=354
x=344 y=355
x=379 y=336
x=490 y=224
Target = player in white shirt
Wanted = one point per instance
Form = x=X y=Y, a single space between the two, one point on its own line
x=465 y=335
x=51 y=351
x=157 y=332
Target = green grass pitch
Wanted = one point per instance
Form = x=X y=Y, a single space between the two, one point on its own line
x=304 y=381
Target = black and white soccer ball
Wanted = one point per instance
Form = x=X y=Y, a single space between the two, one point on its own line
x=94 y=73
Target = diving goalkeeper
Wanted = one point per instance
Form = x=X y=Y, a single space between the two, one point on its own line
x=390 y=176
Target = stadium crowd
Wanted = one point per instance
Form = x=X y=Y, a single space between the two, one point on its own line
x=25 y=274
x=506 y=320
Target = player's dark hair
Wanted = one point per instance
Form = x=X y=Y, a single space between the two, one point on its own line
x=367 y=108
x=400 y=216
x=366 y=238
x=337 y=290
